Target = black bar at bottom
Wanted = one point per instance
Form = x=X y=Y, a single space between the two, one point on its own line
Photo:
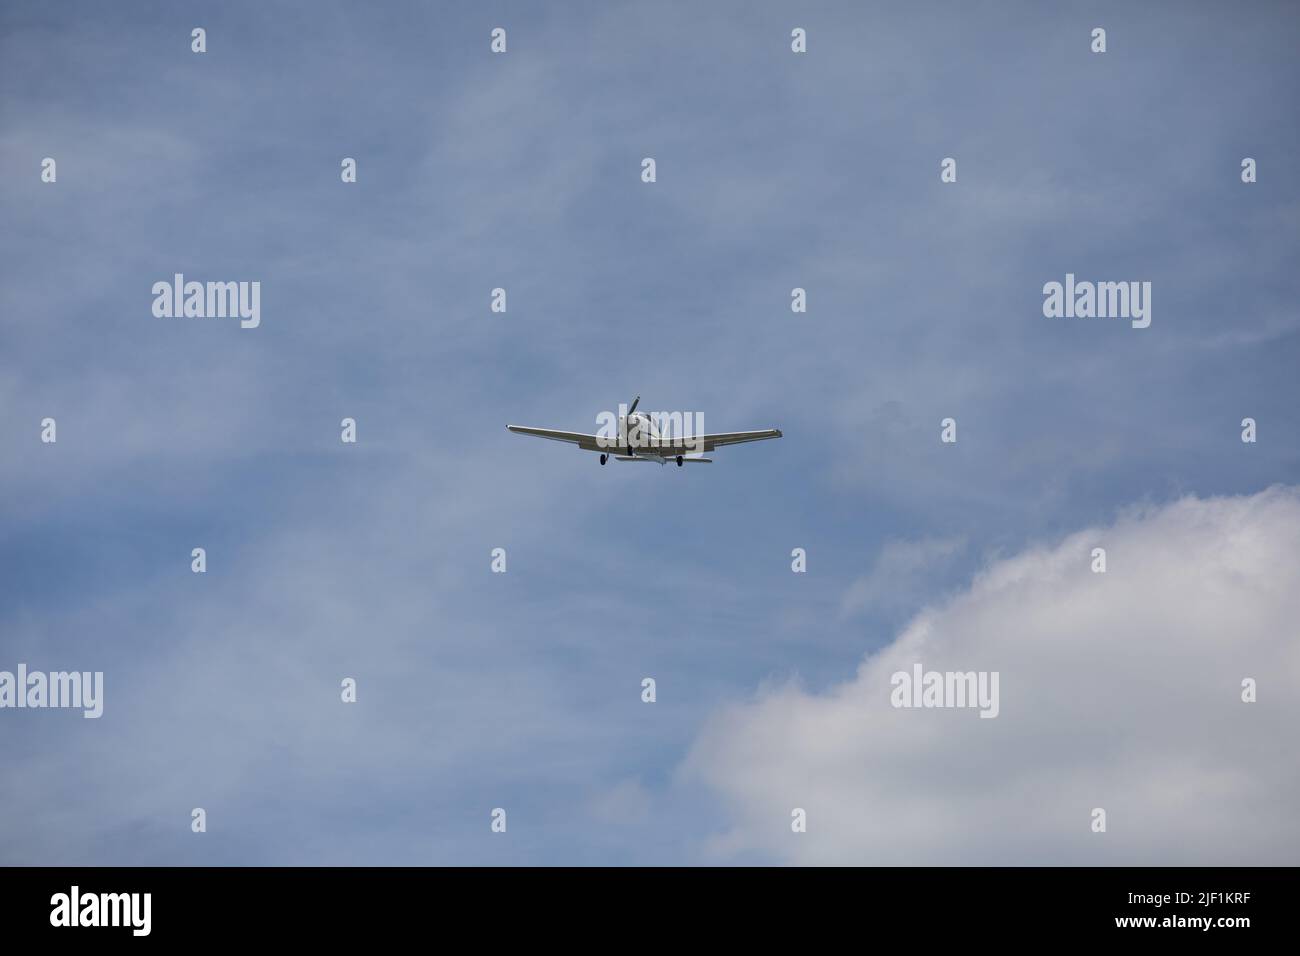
x=632 y=907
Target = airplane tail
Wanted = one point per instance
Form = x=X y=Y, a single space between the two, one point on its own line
x=685 y=460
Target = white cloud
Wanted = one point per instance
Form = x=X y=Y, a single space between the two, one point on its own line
x=1119 y=690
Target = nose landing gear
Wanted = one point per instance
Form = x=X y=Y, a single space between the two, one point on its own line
x=603 y=459
x=679 y=461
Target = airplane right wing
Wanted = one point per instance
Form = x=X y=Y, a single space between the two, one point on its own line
x=735 y=438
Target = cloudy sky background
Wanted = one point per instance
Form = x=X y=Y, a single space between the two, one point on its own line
x=522 y=690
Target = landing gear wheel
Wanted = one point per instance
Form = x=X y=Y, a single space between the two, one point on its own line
x=603 y=458
x=679 y=461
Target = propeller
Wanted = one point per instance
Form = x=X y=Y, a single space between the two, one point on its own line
x=630 y=410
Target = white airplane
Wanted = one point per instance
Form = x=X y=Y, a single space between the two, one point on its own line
x=638 y=439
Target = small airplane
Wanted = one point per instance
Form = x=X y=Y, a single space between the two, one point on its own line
x=638 y=439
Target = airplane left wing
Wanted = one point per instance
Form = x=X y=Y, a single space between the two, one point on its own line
x=583 y=441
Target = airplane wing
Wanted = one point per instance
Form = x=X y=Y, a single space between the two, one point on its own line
x=735 y=438
x=709 y=442
x=585 y=442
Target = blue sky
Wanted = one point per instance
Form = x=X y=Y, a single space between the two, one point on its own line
x=522 y=170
